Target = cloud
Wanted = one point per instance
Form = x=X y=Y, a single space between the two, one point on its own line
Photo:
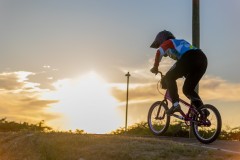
x=143 y=75
x=20 y=99
x=137 y=112
x=137 y=92
x=10 y=81
x=211 y=88
x=215 y=88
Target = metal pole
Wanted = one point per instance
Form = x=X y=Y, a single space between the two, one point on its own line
x=196 y=28
x=128 y=75
x=195 y=37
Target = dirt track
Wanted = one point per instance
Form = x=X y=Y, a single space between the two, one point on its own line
x=223 y=145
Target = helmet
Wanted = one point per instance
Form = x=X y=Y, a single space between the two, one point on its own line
x=161 y=37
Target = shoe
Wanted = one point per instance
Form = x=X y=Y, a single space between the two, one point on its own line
x=173 y=109
x=204 y=113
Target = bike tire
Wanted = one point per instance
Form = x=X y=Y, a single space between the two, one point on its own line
x=215 y=135
x=158 y=130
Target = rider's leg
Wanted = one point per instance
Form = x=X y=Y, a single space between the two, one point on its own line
x=196 y=68
x=171 y=76
x=172 y=86
x=188 y=88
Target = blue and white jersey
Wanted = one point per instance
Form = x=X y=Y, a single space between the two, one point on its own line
x=175 y=48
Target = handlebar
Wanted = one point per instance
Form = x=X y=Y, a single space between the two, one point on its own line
x=159 y=82
x=160 y=73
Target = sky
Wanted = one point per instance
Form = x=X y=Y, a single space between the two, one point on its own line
x=64 y=61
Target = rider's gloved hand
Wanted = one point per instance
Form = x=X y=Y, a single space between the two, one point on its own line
x=154 y=70
x=164 y=83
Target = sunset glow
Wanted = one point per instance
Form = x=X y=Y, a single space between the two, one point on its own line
x=85 y=103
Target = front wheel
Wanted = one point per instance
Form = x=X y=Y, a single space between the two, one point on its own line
x=158 y=120
x=207 y=129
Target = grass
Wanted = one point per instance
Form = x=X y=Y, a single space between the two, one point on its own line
x=176 y=129
x=23 y=141
x=69 y=146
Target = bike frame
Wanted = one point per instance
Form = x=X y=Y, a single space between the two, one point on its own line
x=191 y=111
x=183 y=116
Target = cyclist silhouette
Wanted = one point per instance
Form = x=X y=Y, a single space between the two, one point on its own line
x=191 y=63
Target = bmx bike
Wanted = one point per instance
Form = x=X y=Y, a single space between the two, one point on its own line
x=206 y=128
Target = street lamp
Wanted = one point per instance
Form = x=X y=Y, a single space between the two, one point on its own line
x=127 y=75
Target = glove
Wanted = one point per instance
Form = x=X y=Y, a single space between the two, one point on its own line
x=154 y=70
x=163 y=83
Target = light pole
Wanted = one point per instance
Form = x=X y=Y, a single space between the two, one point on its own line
x=127 y=75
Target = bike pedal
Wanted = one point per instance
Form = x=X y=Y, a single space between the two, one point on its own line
x=178 y=116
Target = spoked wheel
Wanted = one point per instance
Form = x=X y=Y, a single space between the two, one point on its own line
x=158 y=120
x=207 y=129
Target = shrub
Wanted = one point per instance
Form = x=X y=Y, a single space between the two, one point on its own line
x=6 y=126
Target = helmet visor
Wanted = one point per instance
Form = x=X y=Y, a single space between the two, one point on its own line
x=155 y=44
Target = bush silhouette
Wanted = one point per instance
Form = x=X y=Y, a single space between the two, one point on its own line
x=6 y=126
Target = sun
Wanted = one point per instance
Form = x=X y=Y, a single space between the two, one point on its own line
x=86 y=103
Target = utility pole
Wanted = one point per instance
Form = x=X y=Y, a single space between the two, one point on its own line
x=127 y=75
x=195 y=37
x=196 y=27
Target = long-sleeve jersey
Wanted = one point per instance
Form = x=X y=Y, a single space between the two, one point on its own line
x=174 y=48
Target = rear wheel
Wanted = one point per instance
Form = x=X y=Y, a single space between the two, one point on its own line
x=207 y=129
x=158 y=120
